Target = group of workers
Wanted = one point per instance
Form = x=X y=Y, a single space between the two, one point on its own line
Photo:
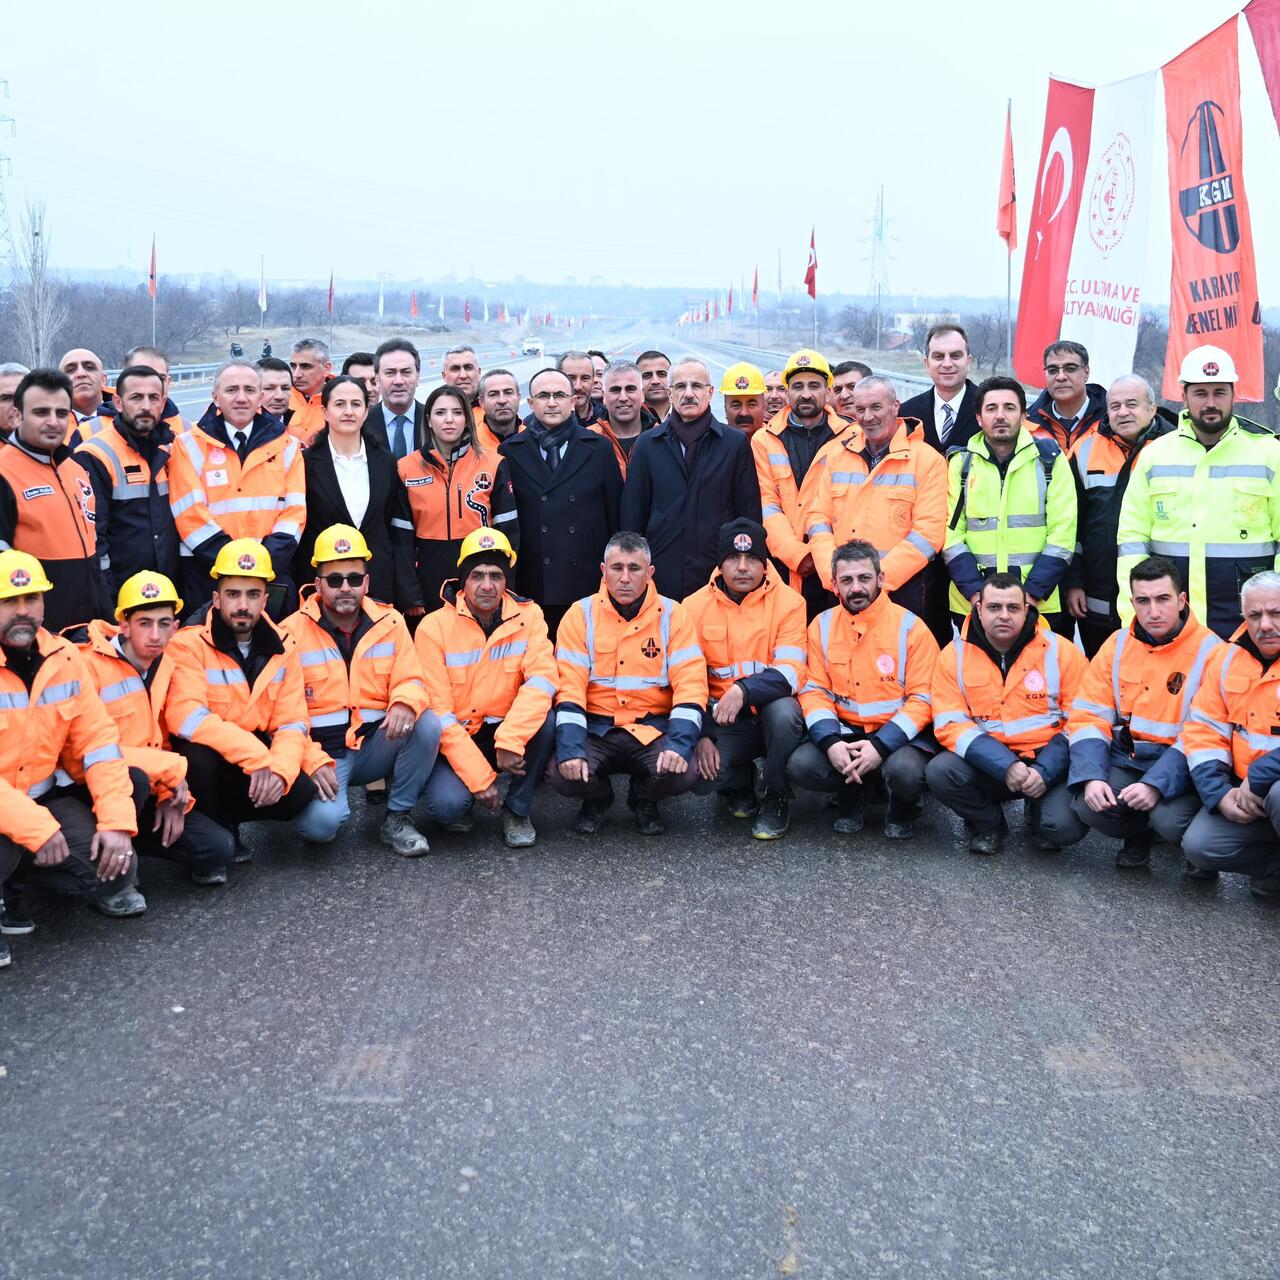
x=325 y=583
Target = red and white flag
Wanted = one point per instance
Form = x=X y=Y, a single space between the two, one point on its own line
x=755 y=288
x=262 y=284
x=151 y=279
x=413 y=304
x=1064 y=157
x=730 y=311
x=811 y=271
x=330 y=293
x=1007 y=209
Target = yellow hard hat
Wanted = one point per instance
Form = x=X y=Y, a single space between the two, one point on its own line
x=742 y=379
x=243 y=558
x=147 y=590
x=486 y=540
x=809 y=361
x=340 y=542
x=20 y=575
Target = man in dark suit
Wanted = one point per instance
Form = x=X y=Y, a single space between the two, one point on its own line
x=397 y=420
x=567 y=490
x=685 y=479
x=948 y=408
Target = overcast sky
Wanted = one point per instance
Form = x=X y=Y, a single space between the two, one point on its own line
x=656 y=143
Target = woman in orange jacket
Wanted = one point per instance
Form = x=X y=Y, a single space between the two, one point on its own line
x=454 y=486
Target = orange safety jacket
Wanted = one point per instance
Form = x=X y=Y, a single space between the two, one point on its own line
x=215 y=499
x=347 y=700
x=899 y=505
x=58 y=724
x=763 y=635
x=305 y=415
x=48 y=510
x=646 y=675
x=506 y=678
x=1132 y=704
x=602 y=428
x=211 y=702
x=785 y=505
x=1234 y=720
x=871 y=671
x=133 y=706
x=993 y=718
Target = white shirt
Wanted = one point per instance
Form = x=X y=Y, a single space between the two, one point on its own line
x=940 y=418
x=353 y=480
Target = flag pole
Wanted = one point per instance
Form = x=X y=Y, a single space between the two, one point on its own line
x=1008 y=280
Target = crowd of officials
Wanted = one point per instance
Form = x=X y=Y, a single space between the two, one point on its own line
x=325 y=583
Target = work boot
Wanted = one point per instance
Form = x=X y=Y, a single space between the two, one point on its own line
x=984 y=842
x=648 y=819
x=13 y=920
x=741 y=803
x=464 y=825
x=591 y=816
x=1191 y=872
x=774 y=819
x=1264 y=886
x=517 y=830
x=212 y=877
x=124 y=902
x=850 y=821
x=4 y=954
x=1135 y=851
x=897 y=822
x=243 y=853
x=399 y=833
x=1044 y=844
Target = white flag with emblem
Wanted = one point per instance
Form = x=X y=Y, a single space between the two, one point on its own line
x=1108 y=270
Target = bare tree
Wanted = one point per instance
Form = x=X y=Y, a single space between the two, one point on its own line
x=38 y=305
x=238 y=307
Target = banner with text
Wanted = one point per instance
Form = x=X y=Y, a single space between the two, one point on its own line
x=1213 y=296
x=1109 y=255
x=1064 y=156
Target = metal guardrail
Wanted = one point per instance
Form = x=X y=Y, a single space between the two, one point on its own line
x=911 y=383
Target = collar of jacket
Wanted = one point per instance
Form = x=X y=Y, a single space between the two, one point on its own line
x=309 y=604
x=1243 y=640
x=837 y=425
x=432 y=456
x=1095 y=405
x=99 y=635
x=767 y=584
x=713 y=423
x=264 y=639
x=907 y=431
x=368 y=439
x=863 y=622
x=46 y=643
x=58 y=456
x=974 y=634
x=978 y=445
x=595 y=411
x=453 y=595
x=1186 y=624
x=1162 y=424
x=1188 y=432
x=145 y=443
x=214 y=425
x=648 y=603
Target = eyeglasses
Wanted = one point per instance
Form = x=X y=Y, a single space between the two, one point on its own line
x=543 y=397
x=1054 y=369
x=336 y=580
x=680 y=387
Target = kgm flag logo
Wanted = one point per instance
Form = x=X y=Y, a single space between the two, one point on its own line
x=1207 y=188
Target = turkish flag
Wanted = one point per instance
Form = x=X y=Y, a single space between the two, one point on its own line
x=413 y=304
x=1213 y=296
x=330 y=291
x=811 y=271
x=466 y=312
x=730 y=300
x=1264 y=23
x=1064 y=158
x=1007 y=209
x=151 y=280
x=755 y=288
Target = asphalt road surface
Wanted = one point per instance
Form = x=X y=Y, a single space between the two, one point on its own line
x=692 y=1056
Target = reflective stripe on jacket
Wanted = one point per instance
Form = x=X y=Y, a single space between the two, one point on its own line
x=507 y=678
x=646 y=675
x=871 y=671
x=59 y=721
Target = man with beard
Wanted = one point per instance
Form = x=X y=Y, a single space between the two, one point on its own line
x=743 y=389
x=49 y=833
x=655 y=369
x=1001 y=693
x=47 y=502
x=128 y=466
x=365 y=695
x=1207 y=496
x=685 y=479
x=775 y=394
x=785 y=452
x=236 y=706
x=866 y=698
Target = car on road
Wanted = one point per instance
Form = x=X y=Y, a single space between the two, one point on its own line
x=532 y=347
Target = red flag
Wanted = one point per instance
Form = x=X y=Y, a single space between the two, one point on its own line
x=1213 y=296
x=1007 y=209
x=755 y=288
x=1064 y=160
x=330 y=292
x=811 y=271
x=151 y=280
x=730 y=312
x=466 y=312
x=413 y=304
x=1264 y=23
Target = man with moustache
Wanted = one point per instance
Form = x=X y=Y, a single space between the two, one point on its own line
x=1206 y=495
x=500 y=405
x=655 y=369
x=775 y=394
x=47 y=504
x=743 y=390
x=128 y=466
x=844 y=377
x=685 y=479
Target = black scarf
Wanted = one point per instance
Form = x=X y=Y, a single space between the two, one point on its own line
x=691 y=434
x=551 y=439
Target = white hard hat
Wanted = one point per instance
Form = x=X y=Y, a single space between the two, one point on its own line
x=1207 y=364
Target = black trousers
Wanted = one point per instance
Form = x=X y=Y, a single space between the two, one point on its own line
x=618 y=752
x=202 y=846
x=1094 y=629
x=772 y=733
x=221 y=789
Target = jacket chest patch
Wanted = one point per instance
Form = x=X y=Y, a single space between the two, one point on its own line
x=418 y=480
x=650 y=648
x=38 y=491
x=1175 y=682
x=1033 y=682
x=884 y=664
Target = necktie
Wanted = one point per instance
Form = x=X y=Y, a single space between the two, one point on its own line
x=1069 y=425
x=242 y=444
x=399 y=444
x=948 y=419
